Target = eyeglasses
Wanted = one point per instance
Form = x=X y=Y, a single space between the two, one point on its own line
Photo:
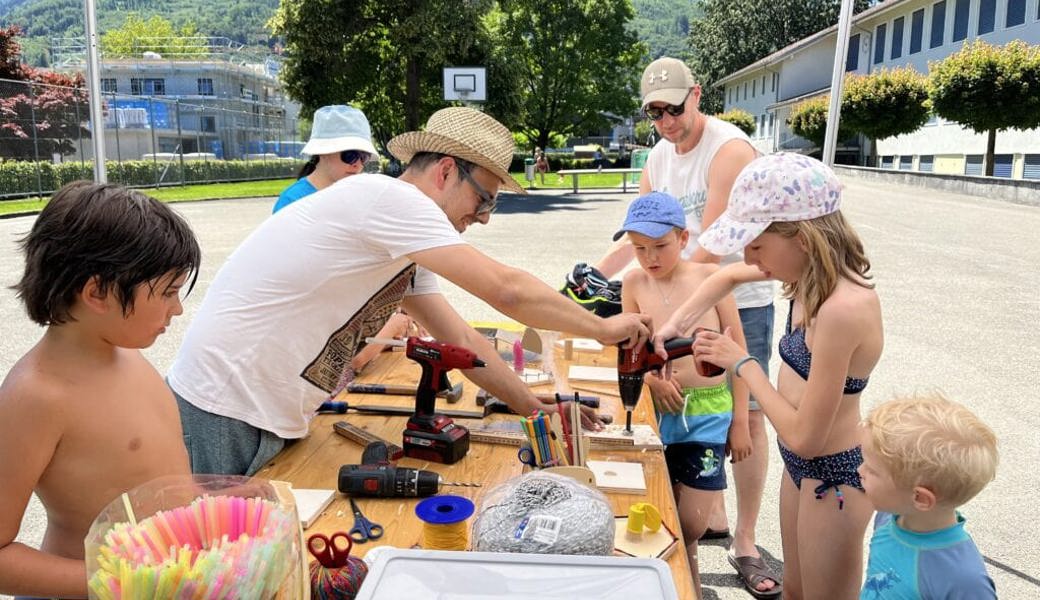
x=352 y=156
x=487 y=201
x=655 y=113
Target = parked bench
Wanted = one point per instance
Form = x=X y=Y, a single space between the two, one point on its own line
x=574 y=173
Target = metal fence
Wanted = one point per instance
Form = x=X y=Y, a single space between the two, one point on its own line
x=150 y=140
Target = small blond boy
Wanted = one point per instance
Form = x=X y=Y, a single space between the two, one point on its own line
x=923 y=457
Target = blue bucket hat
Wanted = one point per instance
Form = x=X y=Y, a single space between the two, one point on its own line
x=653 y=215
x=337 y=128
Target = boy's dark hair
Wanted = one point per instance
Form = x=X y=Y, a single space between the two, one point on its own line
x=122 y=237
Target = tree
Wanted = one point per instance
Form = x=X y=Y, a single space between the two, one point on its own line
x=988 y=89
x=46 y=115
x=577 y=62
x=731 y=34
x=808 y=119
x=383 y=56
x=153 y=35
x=741 y=118
x=885 y=103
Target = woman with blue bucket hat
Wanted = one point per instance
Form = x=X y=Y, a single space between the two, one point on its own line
x=340 y=144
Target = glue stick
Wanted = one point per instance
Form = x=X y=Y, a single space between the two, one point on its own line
x=518 y=357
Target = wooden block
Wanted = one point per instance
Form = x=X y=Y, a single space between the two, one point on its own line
x=658 y=544
x=623 y=477
x=611 y=438
x=584 y=373
x=311 y=503
x=581 y=344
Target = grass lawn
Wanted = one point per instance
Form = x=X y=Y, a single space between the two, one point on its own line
x=273 y=187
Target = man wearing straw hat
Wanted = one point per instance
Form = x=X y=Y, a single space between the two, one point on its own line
x=276 y=332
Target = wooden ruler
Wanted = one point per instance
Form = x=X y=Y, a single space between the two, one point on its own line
x=366 y=437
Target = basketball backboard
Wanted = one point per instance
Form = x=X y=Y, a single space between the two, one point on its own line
x=468 y=84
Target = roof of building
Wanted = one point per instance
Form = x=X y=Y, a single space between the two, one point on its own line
x=807 y=41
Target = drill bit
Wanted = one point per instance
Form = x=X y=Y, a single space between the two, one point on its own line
x=460 y=483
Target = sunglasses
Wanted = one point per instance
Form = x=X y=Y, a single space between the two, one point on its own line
x=487 y=201
x=655 y=113
x=352 y=156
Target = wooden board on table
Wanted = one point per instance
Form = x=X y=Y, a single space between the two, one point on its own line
x=657 y=544
x=613 y=476
x=581 y=344
x=586 y=373
x=310 y=504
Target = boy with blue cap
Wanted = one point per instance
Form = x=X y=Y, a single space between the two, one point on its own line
x=700 y=420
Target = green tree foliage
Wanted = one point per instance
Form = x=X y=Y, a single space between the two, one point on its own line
x=644 y=129
x=885 y=103
x=988 y=89
x=383 y=56
x=741 y=118
x=44 y=114
x=43 y=20
x=664 y=25
x=808 y=119
x=576 y=61
x=155 y=34
x=731 y=34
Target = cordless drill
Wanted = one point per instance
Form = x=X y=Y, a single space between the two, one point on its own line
x=376 y=476
x=431 y=436
x=631 y=370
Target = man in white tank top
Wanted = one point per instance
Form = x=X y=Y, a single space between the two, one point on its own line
x=696 y=160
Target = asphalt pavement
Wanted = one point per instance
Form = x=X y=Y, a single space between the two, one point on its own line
x=958 y=277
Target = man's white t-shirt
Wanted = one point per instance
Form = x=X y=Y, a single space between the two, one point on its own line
x=685 y=177
x=278 y=327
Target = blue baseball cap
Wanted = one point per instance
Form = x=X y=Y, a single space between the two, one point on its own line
x=653 y=215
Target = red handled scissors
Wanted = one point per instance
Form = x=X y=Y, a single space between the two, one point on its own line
x=329 y=549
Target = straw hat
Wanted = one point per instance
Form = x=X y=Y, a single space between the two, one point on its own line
x=337 y=128
x=464 y=133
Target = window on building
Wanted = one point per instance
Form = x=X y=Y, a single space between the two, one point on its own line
x=852 y=58
x=108 y=85
x=897 y=39
x=745 y=90
x=926 y=164
x=879 y=43
x=763 y=85
x=754 y=86
x=886 y=162
x=772 y=86
x=1003 y=165
x=973 y=164
x=938 y=24
x=205 y=86
x=208 y=124
x=916 y=29
x=1031 y=166
x=1016 y=13
x=148 y=87
x=960 y=20
x=906 y=163
x=987 y=16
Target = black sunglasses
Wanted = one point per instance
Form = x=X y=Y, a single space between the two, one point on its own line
x=654 y=113
x=352 y=156
x=487 y=201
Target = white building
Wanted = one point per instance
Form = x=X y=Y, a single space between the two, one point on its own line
x=896 y=33
x=221 y=101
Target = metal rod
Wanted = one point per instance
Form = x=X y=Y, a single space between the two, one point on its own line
x=841 y=46
x=97 y=132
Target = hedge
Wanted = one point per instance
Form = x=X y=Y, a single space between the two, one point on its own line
x=30 y=178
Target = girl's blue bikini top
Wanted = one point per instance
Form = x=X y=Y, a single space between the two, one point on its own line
x=795 y=353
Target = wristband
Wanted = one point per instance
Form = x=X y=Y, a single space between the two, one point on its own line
x=740 y=363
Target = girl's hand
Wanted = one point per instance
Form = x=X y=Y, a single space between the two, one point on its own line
x=718 y=349
x=738 y=445
x=666 y=394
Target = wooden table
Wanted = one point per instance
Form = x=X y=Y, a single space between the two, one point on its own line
x=314 y=462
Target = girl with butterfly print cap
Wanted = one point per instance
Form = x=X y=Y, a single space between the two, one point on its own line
x=784 y=211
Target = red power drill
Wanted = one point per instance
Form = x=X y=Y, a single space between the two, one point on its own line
x=631 y=370
x=431 y=436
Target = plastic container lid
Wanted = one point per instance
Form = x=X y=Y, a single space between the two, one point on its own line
x=440 y=575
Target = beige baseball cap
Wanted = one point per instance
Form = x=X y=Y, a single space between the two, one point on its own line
x=666 y=80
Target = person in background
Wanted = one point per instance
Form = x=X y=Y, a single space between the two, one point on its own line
x=923 y=457
x=340 y=145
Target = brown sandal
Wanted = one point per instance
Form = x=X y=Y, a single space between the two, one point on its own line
x=753 y=571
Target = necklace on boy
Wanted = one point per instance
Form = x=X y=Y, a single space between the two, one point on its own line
x=664 y=297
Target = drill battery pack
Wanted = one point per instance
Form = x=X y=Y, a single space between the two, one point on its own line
x=447 y=443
